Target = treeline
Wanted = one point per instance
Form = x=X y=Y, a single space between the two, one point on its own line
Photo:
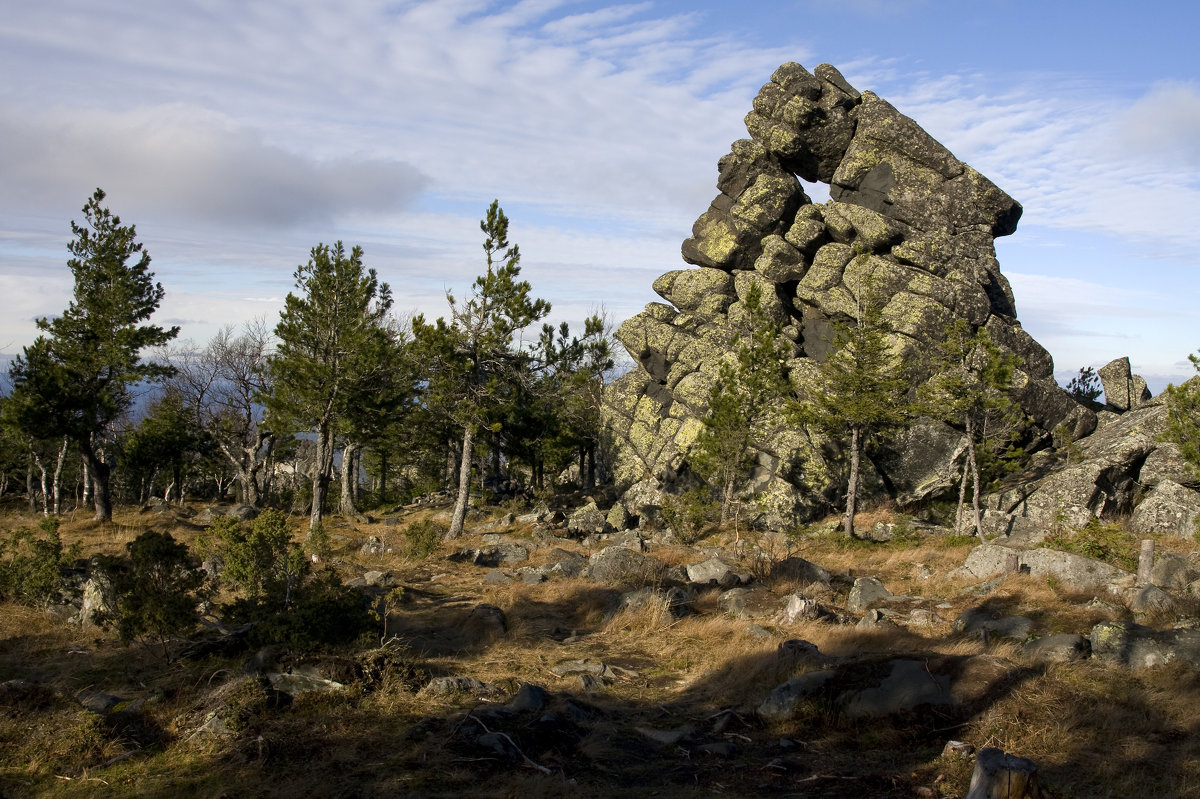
x=338 y=405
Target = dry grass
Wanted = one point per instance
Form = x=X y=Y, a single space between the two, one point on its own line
x=1093 y=729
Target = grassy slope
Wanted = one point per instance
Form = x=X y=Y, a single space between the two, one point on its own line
x=1091 y=728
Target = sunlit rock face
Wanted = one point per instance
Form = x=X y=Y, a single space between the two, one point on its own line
x=907 y=222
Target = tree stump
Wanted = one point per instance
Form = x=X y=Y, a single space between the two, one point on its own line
x=1003 y=776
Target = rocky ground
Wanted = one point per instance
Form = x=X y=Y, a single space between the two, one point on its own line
x=538 y=657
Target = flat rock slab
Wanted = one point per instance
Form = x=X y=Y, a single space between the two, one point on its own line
x=908 y=686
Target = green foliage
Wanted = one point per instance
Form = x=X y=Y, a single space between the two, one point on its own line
x=864 y=392
x=688 y=514
x=262 y=561
x=31 y=565
x=322 y=612
x=157 y=587
x=335 y=363
x=1085 y=386
x=971 y=377
x=748 y=385
x=1106 y=541
x=74 y=380
x=422 y=538
x=477 y=373
x=1183 y=417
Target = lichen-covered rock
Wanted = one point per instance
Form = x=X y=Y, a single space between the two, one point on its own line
x=907 y=221
x=1167 y=508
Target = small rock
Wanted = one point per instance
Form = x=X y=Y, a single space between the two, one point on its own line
x=865 y=591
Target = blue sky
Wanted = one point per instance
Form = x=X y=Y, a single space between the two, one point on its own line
x=237 y=136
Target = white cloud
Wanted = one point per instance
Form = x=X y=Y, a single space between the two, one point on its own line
x=186 y=164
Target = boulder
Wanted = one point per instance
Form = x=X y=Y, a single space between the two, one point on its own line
x=587 y=520
x=1075 y=572
x=909 y=685
x=1123 y=390
x=865 y=591
x=713 y=570
x=904 y=215
x=621 y=565
x=1167 y=508
x=1060 y=648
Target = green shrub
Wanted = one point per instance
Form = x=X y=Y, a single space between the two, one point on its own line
x=688 y=514
x=422 y=538
x=263 y=561
x=156 y=586
x=31 y=565
x=1103 y=541
x=322 y=612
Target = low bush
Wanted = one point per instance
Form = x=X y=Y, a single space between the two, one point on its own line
x=32 y=563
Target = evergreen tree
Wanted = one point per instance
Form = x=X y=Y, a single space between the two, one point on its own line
x=475 y=358
x=332 y=355
x=1085 y=387
x=1183 y=417
x=74 y=380
x=749 y=384
x=969 y=388
x=864 y=391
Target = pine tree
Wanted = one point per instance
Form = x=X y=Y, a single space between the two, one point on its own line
x=334 y=345
x=969 y=388
x=474 y=357
x=748 y=386
x=74 y=380
x=1183 y=417
x=864 y=391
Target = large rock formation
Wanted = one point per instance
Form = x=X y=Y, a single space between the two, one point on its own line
x=905 y=217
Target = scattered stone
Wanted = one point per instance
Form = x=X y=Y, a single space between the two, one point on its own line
x=485 y=623
x=379 y=579
x=588 y=520
x=96 y=701
x=497 y=577
x=1060 y=648
x=713 y=570
x=1150 y=599
x=908 y=686
x=373 y=547
x=1170 y=572
x=1075 y=572
x=721 y=749
x=801 y=608
x=666 y=737
x=980 y=622
x=865 y=591
x=783 y=701
x=623 y=565
x=449 y=686
x=302 y=679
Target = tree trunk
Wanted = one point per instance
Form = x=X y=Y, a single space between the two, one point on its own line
x=349 y=478
x=464 y=485
x=978 y=515
x=495 y=461
x=962 y=498
x=58 y=467
x=589 y=481
x=29 y=492
x=321 y=476
x=101 y=493
x=383 y=475
x=852 y=481
x=87 y=482
x=45 y=480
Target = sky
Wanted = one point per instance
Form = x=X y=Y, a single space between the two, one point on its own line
x=237 y=136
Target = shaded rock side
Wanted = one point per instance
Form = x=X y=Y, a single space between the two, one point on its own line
x=906 y=219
